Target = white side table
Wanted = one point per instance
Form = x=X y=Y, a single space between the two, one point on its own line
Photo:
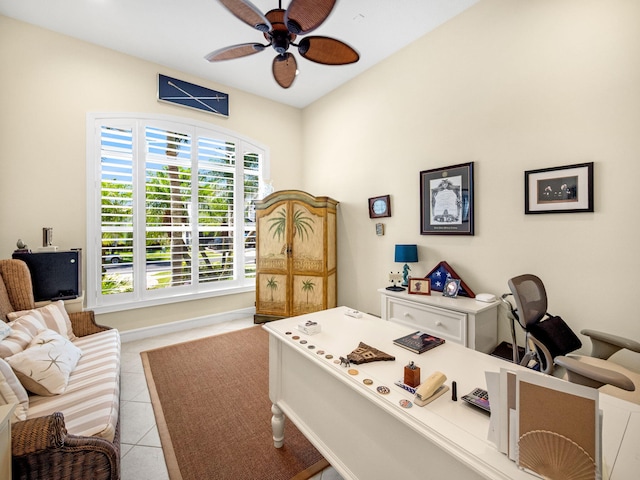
x=462 y=320
x=5 y=440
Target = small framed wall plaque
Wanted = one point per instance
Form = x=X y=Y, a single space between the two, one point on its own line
x=380 y=206
x=185 y=94
x=567 y=189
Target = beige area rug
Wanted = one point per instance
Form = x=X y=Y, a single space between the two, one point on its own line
x=211 y=401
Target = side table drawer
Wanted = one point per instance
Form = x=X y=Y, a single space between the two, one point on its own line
x=437 y=321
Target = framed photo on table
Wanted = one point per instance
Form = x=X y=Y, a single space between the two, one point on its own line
x=446 y=200
x=451 y=288
x=420 y=286
x=567 y=189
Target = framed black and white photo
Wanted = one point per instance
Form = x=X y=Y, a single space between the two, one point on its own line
x=446 y=200
x=567 y=189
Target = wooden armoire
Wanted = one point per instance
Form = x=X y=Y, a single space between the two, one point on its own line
x=296 y=258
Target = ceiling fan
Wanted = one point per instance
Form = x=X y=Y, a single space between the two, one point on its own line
x=281 y=28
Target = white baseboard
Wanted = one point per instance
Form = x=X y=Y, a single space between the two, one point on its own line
x=181 y=325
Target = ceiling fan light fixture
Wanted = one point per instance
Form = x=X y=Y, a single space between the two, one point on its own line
x=280 y=42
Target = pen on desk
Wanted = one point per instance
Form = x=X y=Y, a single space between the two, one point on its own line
x=454 y=391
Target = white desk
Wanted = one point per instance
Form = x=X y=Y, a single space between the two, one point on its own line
x=463 y=320
x=366 y=435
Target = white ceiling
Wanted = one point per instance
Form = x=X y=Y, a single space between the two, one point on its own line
x=178 y=34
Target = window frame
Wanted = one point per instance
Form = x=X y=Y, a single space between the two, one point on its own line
x=142 y=297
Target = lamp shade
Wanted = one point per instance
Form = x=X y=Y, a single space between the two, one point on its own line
x=406 y=253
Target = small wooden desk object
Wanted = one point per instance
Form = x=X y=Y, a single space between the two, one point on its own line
x=412 y=375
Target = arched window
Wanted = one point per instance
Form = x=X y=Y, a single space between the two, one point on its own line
x=170 y=210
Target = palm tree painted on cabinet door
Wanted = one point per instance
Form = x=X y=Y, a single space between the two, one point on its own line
x=308 y=286
x=272 y=285
x=301 y=225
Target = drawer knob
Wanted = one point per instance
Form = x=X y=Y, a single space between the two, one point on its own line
x=407 y=314
x=438 y=323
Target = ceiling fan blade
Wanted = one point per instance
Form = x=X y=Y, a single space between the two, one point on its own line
x=327 y=51
x=303 y=16
x=234 y=51
x=284 y=69
x=248 y=13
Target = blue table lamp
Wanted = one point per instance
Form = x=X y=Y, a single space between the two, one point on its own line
x=406 y=254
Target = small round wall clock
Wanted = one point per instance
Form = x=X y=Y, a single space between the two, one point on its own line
x=380 y=207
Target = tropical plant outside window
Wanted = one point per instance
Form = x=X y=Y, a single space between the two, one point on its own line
x=173 y=208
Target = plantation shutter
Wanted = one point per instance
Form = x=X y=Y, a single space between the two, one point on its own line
x=216 y=204
x=116 y=207
x=174 y=211
x=168 y=190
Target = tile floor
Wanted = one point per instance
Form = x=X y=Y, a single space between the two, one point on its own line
x=142 y=457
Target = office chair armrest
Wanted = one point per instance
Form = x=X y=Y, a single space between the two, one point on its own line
x=592 y=376
x=603 y=345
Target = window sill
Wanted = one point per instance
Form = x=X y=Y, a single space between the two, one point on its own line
x=98 y=309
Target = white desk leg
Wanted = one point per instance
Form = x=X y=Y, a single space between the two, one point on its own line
x=277 y=425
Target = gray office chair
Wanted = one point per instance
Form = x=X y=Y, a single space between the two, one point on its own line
x=549 y=339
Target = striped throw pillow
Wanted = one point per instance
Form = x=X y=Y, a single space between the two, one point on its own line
x=23 y=331
x=53 y=316
x=12 y=391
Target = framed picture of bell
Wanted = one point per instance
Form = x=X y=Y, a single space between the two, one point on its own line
x=567 y=189
x=420 y=286
x=446 y=200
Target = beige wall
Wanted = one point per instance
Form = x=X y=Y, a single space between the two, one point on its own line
x=48 y=83
x=511 y=86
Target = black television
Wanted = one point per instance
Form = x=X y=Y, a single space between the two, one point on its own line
x=54 y=275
